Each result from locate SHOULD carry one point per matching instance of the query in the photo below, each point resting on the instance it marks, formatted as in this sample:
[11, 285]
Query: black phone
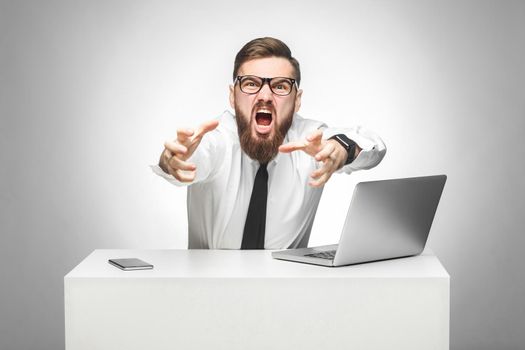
[130, 264]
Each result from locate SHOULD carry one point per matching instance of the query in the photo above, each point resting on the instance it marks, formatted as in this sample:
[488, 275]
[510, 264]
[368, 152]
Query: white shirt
[219, 196]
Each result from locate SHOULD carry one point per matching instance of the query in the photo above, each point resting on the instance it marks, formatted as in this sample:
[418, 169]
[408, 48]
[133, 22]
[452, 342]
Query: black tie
[253, 236]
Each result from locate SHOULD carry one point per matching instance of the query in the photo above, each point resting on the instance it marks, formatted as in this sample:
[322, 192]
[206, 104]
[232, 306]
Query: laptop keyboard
[327, 254]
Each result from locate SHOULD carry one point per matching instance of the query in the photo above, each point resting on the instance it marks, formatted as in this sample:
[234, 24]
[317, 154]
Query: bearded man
[255, 178]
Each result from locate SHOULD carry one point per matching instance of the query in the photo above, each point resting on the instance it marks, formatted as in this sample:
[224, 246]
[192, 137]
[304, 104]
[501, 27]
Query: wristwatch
[347, 144]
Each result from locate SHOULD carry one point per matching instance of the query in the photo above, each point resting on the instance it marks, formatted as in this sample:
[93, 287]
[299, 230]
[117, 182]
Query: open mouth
[263, 121]
[263, 118]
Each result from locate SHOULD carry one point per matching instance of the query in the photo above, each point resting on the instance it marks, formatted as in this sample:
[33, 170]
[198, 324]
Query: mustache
[266, 105]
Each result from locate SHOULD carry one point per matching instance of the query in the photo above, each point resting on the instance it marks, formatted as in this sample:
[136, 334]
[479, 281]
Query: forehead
[267, 67]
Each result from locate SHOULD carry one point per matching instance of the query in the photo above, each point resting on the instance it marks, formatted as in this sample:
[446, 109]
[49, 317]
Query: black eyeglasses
[251, 84]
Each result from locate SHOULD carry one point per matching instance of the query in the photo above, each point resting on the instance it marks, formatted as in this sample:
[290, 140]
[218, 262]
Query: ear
[298, 100]
[232, 96]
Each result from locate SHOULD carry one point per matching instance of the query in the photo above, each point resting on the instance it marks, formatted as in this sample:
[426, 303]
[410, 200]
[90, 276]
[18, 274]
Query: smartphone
[130, 264]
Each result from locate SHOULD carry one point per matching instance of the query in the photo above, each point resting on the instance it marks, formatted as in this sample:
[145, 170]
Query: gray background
[90, 90]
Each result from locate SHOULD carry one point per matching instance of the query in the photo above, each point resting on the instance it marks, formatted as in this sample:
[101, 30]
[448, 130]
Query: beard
[262, 148]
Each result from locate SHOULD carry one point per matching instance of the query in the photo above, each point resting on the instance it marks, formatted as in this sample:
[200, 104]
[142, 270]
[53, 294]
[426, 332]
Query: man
[255, 178]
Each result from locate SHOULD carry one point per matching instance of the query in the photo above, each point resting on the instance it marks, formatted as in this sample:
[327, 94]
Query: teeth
[264, 111]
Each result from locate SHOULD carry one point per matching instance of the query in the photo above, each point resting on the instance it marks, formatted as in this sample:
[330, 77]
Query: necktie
[253, 236]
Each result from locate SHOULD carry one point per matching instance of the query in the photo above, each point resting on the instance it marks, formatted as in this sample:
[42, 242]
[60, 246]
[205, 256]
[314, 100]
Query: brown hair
[262, 48]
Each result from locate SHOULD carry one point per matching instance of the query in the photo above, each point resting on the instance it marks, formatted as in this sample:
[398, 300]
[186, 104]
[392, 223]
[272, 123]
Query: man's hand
[329, 152]
[173, 158]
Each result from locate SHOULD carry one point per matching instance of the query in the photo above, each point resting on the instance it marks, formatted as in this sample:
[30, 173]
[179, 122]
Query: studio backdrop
[90, 90]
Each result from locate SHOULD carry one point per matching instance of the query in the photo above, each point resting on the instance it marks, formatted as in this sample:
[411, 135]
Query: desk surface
[174, 263]
[233, 299]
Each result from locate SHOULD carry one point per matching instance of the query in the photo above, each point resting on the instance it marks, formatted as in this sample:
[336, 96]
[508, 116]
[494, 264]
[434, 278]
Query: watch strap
[347, 144]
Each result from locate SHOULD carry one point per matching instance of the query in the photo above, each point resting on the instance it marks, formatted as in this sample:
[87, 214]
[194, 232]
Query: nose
[265, 94]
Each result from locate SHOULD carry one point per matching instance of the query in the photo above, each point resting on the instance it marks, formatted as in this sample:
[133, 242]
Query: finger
[179, 164]
[206, 127]
[321, 181]
[325, 152]
[184, 136]
[317, 173]
[293, 146]
[315, 137]
[184, 176]
[328, 166]
[175, 147]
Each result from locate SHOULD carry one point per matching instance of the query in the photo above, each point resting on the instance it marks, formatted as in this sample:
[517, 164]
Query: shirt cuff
[168, 177]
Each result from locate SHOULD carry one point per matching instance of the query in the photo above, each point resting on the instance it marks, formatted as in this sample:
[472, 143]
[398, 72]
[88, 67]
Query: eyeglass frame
[264, 81]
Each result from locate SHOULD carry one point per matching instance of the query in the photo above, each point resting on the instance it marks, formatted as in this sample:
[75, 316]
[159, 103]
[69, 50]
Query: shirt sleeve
[373, 149]
[205, 158]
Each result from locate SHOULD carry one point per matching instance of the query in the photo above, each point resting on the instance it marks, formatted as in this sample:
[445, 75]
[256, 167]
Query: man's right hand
[173, 158]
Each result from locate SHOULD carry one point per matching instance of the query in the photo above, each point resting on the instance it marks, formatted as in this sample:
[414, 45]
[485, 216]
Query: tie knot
[262, 172]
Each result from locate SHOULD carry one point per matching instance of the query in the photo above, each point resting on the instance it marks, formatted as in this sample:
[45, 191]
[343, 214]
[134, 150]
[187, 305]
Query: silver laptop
[387, 219]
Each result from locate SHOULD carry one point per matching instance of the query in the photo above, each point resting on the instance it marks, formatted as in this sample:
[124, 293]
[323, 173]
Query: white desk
[218, 299]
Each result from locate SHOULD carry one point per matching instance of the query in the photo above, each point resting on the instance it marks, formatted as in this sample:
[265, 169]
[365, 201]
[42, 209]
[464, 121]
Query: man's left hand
[329, 152]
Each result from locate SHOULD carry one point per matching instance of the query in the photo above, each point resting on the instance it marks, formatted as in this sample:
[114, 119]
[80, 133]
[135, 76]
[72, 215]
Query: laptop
[386, 219]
